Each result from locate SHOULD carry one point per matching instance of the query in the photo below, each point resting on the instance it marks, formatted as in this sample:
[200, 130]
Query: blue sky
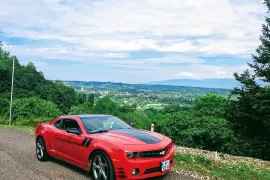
[132, 41]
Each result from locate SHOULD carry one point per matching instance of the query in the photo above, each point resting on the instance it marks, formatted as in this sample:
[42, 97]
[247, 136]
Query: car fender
[115, 152]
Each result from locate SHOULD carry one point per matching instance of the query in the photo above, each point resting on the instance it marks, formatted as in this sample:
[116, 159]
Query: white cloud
[116, 55]
[103, 58]
[219, 73]
[186, 75]
[109, 32]
[122, 25]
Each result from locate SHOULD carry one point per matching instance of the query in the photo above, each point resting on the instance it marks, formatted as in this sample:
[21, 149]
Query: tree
[64, 97]
[249, 113]
[81, 98]
[140, 118]
[91, 100]
[4, 106]
[211, 105]
[34, 107]
[28, 82]
[106, 106]
[209, 133]
[85, 108]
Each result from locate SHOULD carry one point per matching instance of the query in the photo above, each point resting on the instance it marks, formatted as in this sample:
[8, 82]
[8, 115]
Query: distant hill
[144, 95]
[138, 88]
[206, 83]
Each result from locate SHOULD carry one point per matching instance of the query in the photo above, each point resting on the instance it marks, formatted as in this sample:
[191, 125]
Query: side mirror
[132, 124]
[73, 130]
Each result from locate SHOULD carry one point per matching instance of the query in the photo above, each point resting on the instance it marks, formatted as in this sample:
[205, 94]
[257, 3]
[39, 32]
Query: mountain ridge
[222, 83]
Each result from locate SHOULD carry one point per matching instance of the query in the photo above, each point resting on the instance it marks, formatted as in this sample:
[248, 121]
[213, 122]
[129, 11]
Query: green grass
[19, 128]
[218, 170]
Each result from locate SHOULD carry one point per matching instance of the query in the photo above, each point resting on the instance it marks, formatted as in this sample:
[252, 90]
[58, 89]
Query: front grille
[152, 170]
[153, 154]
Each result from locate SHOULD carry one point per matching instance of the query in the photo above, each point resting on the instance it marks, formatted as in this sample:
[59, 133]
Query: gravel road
[18, 161]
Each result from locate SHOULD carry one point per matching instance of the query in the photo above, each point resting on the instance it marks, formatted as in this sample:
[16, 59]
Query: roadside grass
[204, 167]
[27, 129]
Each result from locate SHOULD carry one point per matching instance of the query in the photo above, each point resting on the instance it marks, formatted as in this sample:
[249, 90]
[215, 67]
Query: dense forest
[239, 125]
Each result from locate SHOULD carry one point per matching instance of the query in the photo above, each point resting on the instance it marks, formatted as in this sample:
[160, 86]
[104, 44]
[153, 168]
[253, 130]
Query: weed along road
[18, 161]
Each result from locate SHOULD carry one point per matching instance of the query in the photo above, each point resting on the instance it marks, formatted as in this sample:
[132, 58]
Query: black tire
[106, 165]
[41, 150]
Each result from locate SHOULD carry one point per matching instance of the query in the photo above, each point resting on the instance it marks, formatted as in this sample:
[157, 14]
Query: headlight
[132, 155]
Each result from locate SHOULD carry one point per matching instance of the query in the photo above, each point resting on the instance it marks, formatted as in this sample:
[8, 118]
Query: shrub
[106, 106]
[33, 108]
[31, 121]
[85, 108]
[140, 118]
[211, 105]
[3, 120]
[4, 106]
[208, 133]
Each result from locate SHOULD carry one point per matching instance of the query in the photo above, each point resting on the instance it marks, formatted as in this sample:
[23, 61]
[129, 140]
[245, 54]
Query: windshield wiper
[121, 128]
[98, 131]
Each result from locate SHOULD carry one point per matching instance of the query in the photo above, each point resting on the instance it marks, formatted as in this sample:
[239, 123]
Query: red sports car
[105, 146]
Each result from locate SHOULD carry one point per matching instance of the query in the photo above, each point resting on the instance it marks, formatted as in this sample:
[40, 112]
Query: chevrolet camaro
[106, 146]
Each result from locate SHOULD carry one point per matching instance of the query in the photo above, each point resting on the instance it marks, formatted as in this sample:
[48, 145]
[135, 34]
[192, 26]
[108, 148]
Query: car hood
[132, 136]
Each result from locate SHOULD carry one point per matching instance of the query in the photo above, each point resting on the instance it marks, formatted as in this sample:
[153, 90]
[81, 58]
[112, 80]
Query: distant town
[144, 96]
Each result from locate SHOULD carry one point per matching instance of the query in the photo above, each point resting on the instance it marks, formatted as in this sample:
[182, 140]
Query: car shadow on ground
[71, 167]
[85, 173]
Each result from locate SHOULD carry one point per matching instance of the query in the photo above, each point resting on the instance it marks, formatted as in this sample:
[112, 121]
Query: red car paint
[76, 149]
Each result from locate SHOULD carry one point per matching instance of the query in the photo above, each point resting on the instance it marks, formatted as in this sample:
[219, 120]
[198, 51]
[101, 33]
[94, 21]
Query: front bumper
[148, 167]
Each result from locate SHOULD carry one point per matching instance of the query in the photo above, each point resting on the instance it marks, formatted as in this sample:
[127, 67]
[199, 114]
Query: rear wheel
[101, 167]
[41, 150]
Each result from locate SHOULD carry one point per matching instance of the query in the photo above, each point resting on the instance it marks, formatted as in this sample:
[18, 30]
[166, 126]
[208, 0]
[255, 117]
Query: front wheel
[101, 167]
[41, 150]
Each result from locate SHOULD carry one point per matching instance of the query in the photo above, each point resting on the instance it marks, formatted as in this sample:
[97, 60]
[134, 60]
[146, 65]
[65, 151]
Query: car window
[57, 124]
[69, 123]
[103, 123]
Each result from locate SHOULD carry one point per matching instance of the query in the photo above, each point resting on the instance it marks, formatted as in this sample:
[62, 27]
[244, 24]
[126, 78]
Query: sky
[133, 41]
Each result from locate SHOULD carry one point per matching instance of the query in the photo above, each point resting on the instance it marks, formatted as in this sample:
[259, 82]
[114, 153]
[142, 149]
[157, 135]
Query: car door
[60, 141]
[70, 145]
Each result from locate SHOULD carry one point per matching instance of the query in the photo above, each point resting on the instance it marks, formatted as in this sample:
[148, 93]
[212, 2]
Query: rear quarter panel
[47, 133]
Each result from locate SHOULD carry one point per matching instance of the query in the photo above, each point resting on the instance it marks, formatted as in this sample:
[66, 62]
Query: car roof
[91, 115]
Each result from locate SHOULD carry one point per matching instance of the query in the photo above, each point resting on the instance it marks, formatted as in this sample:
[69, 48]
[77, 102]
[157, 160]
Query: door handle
[56, 134]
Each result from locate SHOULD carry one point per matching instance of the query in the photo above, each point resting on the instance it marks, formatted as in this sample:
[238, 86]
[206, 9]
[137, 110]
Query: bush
[106, 106]
[211, 105]
[4, 106]
[33, 108]
[140, 118]
[31, 121]
[208, 133]
[3, 120]
[85, 108]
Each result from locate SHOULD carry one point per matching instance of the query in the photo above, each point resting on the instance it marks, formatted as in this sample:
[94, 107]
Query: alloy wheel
[40, 149]
[100, 168]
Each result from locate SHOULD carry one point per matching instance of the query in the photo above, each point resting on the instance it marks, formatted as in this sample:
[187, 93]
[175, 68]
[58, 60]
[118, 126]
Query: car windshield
[99, 124]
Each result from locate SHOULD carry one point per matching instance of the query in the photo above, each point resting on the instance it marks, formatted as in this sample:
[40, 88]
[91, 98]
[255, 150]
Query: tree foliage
[249, 113]
[34, 107]
[211, 105]
[210, 133]
[106, 106]
[85, 108]
[28, 82]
